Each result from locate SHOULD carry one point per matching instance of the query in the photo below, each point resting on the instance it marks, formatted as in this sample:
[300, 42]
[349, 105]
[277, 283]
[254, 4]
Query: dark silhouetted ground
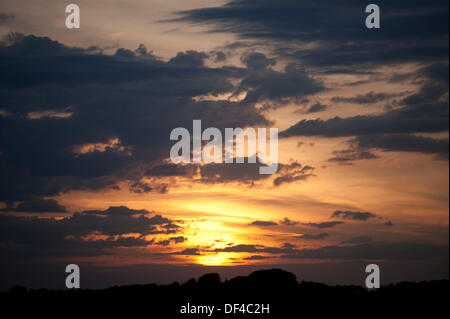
[287, 298]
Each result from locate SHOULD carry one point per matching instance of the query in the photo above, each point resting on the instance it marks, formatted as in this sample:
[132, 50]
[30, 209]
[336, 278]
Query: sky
[86, 116]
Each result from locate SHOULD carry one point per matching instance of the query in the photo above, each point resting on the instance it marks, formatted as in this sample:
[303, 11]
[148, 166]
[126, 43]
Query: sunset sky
[86, 115]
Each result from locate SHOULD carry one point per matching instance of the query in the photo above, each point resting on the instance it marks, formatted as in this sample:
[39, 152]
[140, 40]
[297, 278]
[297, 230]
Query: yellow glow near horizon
[219, 259]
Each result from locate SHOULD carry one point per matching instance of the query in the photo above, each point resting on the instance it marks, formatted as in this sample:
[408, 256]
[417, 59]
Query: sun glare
[219, 259]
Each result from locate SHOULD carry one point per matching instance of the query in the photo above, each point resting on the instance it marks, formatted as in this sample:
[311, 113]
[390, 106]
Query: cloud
[368, 98]
[88, 233]
[140, 51]
[178, 240]
[345, 157]
[316, 108]
[163, 243]
[374, 251]
[38, 205]
[115, 146]
[340, 42]
[313, 236]
[357, 240]
[220, 57]
[143, 188]
[256, 249]
[261, 83]
[323, 224]
[168, 170]
[125, 53]
[247, 173]
[237, 172]
[260, 223]
[361, 216]
[349, 251]
[121, 211]
[158, 96]
[414, 119]
[118, 221]
[425, 111]
[5, 18]
[287, 222]
[257, 60]
[293, 172]
[256, 257]
[405, 143]
[288, 246]
[174, 240]
[188, 252]
[189, 58]
[140, 188]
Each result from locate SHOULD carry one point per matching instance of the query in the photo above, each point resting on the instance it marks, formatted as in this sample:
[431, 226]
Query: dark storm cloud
[434, 80]
[118, 222]
[38, 205]
[189, 58]
[120, 110]
[313, 236]
[167, 170]
[257, 60]
[351, 58]
[316, 108]
[140, 188]
[288, 246]
[368, 98]
[163, 243]
[438, 72]
[70, 65]
[256, 249]
[374, 251]
[413, 31]
[361, 216]
[256, 257]
[120, 210]
[237, 172]
[30, 237]
[211, 173]
[346, 157]
[178, 240]
[262, 83]
[405, 143]
[323, 224]
[356, 240]
[220, 57]
[287, 222]
[256, 18]
[246, 172]
[144, 188]
[140, 51]
[125, 53]
[132, 98]
[188, 252]
[292, 172]
[425, 111]
[414, 119]
[5, 18]
[357, 251]
[261, 223]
